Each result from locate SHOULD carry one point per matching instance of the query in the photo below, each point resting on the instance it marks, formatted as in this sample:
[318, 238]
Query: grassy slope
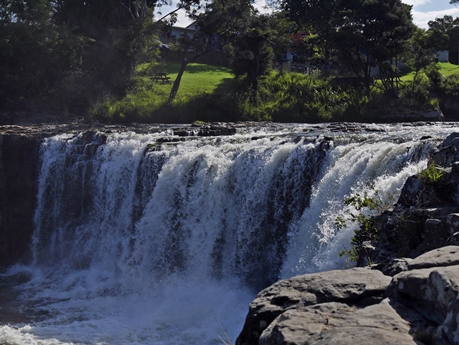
[197, 79]
[446, 69]
[207, 93]
[146, 98]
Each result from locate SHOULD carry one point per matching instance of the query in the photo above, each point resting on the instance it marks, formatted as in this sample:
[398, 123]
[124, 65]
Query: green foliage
[431, 174]
[450, 85]
[418, 54]
[252, 55]
[417, 91]
[294, 97]
[67, 55]
[445, 35]
[367, 207]
[35, 55]
[359, 34]
[206, 94]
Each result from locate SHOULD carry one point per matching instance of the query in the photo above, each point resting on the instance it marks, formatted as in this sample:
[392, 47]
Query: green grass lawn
[197, 79]
[446, 69]
[147, 97]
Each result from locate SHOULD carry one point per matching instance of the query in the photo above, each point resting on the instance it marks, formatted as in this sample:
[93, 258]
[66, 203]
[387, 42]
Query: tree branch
[127, 8]
[170, 13]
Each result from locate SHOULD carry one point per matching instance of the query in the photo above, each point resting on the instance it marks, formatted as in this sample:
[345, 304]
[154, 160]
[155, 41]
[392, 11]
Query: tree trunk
[177, 81]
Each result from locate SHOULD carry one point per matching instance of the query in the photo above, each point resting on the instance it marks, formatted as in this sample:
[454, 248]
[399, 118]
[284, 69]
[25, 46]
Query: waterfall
[158, 239]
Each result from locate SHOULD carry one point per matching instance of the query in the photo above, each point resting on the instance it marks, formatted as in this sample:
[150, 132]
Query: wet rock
[18, 176]
[339, 323]
[346, 307]
[441, 257]
[358, 286]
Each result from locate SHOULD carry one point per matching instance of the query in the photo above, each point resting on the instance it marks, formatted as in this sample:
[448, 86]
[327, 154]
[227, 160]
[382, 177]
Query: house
[174, 32]
[442, 56]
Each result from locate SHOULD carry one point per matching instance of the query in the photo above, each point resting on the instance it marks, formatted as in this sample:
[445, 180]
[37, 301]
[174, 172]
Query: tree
[71, 53]
[444, 33]
[311, 14]
[218, 24]
[418, 54]
[35, 54]
[362, 34]
[253, 53]
[280, 29]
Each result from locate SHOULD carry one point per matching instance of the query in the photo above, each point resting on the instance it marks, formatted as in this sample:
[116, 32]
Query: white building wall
[443, 56]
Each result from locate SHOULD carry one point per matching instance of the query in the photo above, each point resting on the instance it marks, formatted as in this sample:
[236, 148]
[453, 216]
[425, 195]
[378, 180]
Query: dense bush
[294, 97]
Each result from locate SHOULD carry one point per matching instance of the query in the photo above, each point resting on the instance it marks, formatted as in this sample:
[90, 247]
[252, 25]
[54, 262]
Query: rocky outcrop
[426, 215]
[410, 297]
[361, 306]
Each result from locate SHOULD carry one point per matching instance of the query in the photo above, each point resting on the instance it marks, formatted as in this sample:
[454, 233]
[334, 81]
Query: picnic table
[162, 77]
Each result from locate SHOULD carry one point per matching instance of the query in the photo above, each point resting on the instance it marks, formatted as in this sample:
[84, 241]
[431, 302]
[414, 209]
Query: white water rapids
[148, 239]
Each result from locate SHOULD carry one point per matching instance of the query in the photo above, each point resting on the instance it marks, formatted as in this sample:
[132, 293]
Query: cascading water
[148, 239]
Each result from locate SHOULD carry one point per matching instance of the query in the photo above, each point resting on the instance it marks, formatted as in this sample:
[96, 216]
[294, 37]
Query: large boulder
[358, 286]
[417, 306]
[340, 324]
[431, 283]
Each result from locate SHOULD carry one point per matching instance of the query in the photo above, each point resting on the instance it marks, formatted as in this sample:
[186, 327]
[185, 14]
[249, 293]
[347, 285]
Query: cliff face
[19, 155]
[18, 189]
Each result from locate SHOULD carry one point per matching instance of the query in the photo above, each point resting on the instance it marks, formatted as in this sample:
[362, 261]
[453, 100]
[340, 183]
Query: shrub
[367, 207]
[431, 174]
[293, 97]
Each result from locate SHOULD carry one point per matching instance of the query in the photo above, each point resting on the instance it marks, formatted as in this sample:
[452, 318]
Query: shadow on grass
[173, 67]
[221, 105]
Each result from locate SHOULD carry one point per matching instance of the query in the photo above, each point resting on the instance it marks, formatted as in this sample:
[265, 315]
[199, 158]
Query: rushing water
[148, 239]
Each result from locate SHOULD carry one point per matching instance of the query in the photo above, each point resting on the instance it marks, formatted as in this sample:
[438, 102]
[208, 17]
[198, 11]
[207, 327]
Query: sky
[423, 11]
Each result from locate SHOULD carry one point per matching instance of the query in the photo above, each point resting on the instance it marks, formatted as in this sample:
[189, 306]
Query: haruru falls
[160, 239]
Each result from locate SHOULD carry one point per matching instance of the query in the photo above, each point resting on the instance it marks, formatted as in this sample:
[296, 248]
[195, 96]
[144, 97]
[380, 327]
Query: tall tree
[362, 34]
[369, 34]
[218, 24]
[444, 33]
[418, 54]
[70, 51]
[253, 52]
[35, 54]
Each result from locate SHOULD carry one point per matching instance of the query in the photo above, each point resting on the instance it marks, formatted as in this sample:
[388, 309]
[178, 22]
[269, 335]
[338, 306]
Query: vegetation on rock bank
[424, 217]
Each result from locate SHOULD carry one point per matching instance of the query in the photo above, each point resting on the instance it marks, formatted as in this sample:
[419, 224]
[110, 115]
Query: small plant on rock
[367, 207]
[431, 174]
